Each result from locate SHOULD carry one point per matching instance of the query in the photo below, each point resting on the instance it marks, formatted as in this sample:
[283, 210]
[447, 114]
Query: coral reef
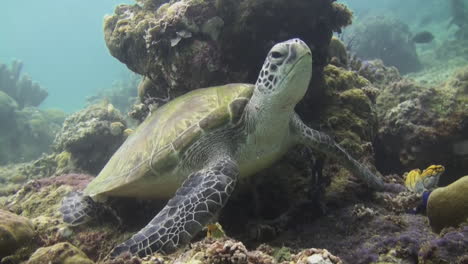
[15, 232]
[21, 88]
[379, 236]
[26, 131]
[184, 45]
[230, 251]
[448, 206]
[375, 71]
[387, 39]
[348, 114]
[337, 53]
[353, 234]
[122, 94]
[450, 247]
[39, 200]
[89, 137]
[422, 125]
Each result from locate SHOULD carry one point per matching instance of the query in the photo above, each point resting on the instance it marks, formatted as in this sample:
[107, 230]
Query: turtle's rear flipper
[195, 203]
[78, 209]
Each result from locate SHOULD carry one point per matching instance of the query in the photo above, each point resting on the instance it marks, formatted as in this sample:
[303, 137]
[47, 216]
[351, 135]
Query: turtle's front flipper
[322, 142]
[195, 203]
[78, 209]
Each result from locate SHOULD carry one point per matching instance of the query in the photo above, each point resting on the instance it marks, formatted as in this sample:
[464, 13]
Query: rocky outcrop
[15, 232]
[183, 45]
[89, 137]
[421, 125]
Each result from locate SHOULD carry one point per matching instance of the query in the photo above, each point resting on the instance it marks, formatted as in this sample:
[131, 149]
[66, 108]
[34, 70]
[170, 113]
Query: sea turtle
[203, 142]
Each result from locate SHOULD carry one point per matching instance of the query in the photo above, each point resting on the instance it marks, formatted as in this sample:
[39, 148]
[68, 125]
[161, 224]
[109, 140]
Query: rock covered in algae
[349, 116]
[421, 125]
[61, 253]
[188, 44]
[15, 232]
[448, 206]
[375, 71]
[91, 136]
[40, 200]
[337, 52]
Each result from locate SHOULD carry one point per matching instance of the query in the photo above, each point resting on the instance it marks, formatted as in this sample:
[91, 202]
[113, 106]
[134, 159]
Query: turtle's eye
[276, 55]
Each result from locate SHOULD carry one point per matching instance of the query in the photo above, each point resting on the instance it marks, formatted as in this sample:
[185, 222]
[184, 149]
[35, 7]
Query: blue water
[62, 46]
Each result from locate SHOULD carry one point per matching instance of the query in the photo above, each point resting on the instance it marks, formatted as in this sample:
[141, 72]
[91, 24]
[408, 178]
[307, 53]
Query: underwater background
[389, 85]
[62, 46]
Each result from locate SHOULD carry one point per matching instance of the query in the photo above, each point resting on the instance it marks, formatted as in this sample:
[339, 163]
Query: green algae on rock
[337, 52]
[89, 137]
[15, 232]
[421, 125]
[350, 116]
[40, 199]
[61, 253]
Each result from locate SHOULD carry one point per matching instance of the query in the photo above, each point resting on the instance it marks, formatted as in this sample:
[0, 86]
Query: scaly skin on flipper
[78, 209]
[323, 143]
[195, 203]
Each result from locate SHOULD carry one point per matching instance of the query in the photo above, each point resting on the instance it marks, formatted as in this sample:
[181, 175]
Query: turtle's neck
[267, 117]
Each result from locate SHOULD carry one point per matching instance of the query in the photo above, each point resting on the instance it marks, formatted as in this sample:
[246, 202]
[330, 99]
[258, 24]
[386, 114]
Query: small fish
[423, 37]
[417, 181]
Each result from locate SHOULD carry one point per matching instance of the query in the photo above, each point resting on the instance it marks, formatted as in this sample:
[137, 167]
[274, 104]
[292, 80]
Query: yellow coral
[417, 181]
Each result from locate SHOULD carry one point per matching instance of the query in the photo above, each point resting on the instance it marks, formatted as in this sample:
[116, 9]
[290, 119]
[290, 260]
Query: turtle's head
[286, 73]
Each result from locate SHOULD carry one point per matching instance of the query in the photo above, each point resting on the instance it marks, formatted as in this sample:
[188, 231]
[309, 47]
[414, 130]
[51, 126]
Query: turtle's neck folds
[268, 116]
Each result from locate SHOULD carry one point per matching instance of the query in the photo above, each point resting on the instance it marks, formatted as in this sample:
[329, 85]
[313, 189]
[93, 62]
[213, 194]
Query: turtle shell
[143, 164]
